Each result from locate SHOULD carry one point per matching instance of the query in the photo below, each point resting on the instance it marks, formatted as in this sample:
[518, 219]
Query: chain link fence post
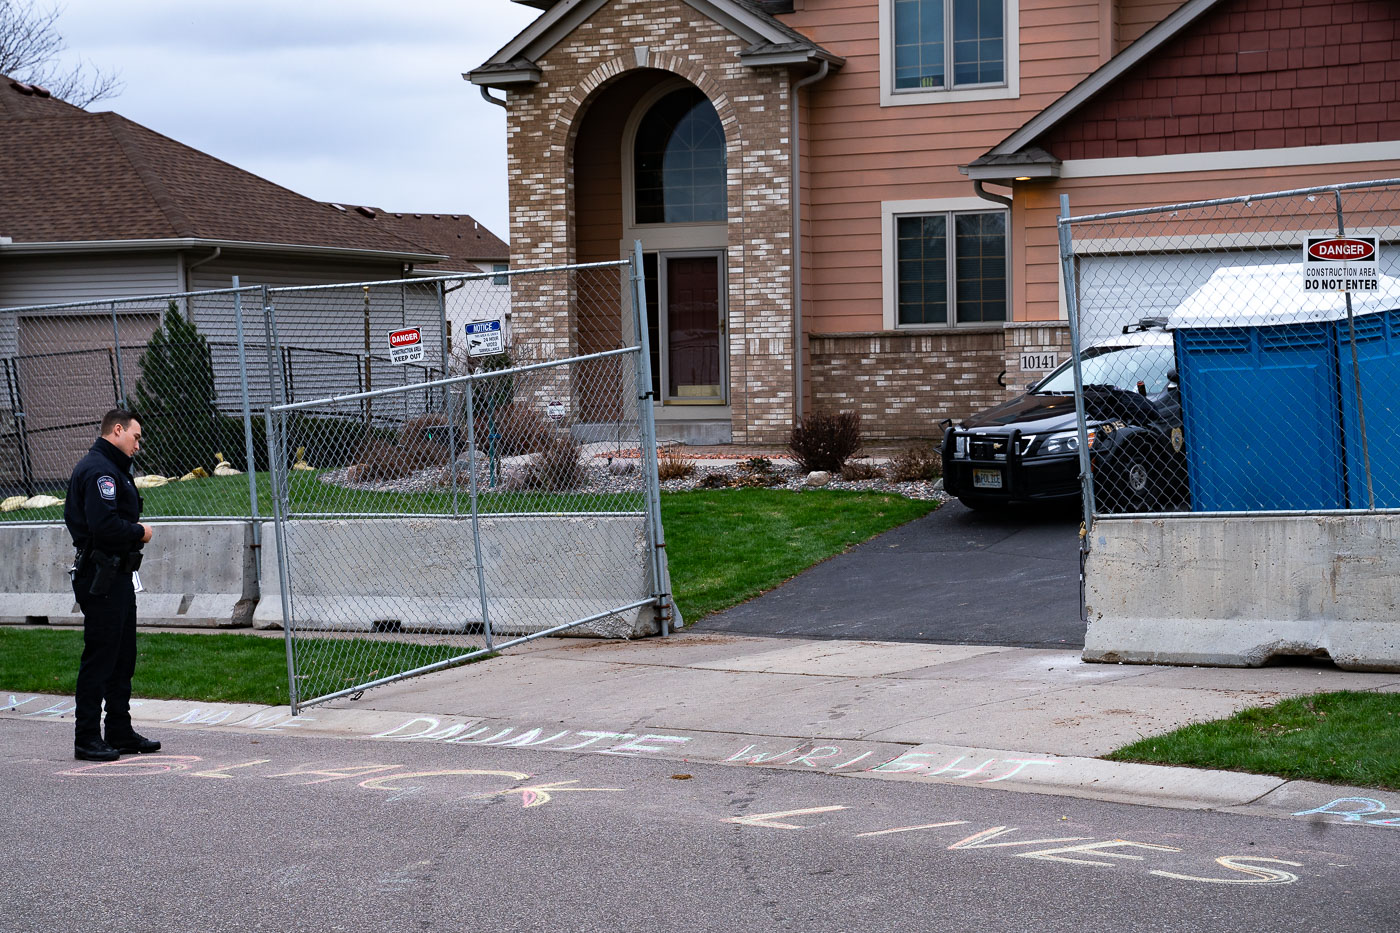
[656, 538]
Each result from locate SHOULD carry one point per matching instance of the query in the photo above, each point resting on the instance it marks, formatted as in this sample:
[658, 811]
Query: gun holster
[107, 568]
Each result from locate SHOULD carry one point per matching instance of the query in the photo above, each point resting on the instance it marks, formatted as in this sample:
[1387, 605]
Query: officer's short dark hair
[117, 416]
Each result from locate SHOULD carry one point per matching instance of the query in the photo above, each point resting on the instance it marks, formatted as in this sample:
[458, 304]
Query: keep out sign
[1341, 264]
[405, 346]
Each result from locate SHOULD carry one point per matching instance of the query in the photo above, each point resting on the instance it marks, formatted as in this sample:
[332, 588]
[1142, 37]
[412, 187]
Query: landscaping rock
[818, 478]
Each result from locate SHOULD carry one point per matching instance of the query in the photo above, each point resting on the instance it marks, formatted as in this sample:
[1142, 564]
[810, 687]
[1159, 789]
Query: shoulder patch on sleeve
[107, 487]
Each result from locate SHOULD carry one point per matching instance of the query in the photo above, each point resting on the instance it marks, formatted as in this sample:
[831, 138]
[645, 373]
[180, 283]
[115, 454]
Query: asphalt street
[233, 832]
[954, 577]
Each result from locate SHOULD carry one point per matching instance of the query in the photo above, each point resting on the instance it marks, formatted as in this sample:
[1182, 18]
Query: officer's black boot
[95, 750]
[132, 743]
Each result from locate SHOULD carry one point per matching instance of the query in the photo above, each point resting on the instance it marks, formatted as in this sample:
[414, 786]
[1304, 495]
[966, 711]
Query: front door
[685, 302]
[693, 359]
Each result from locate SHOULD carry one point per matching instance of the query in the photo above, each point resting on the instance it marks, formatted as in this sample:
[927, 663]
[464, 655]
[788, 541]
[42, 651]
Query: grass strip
[224, 668]
[1347, 737]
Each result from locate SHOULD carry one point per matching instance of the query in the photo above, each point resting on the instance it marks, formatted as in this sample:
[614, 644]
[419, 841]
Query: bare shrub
[916, 464]
[556, 467]
[857, 470]
[380, 460]
[522, 430]
[756, 465]
[757, 480]
[826, 441]
[714, 481]
[673, 466]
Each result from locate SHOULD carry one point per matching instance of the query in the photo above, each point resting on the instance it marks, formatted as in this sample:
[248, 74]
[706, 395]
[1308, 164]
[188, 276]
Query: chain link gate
[422, 523]
[1235, 356]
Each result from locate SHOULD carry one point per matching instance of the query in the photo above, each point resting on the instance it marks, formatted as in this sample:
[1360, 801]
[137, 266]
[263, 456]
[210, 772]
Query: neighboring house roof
[21, 100]
[1018, 148]
[465, 241]
[72, 179]
[773, 42]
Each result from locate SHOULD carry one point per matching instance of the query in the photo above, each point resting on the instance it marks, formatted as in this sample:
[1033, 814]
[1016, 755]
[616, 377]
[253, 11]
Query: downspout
[486, 95]
[822, 71]
[185, 273]
[185, 285]
[986, 195]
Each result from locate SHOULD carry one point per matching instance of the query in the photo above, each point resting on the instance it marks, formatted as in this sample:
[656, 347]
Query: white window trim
[890, 211]
[1011, 90]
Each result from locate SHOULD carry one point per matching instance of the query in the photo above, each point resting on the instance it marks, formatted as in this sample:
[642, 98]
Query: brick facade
[904, 384]
[623, 38]
[1254, 74]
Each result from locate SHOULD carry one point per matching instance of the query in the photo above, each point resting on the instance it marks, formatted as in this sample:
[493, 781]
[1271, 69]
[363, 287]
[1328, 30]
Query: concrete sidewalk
[1011, 718]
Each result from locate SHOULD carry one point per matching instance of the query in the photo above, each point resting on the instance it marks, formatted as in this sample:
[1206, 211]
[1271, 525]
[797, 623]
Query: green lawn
[1342, 738]
[228, 668]
[227, 496]
[729, 545]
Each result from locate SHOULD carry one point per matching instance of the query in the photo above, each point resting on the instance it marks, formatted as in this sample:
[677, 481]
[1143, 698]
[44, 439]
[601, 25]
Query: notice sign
[1341, 264]
[485, 338]
[405, 346]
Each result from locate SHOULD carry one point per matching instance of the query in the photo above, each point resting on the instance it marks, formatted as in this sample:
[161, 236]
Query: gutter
[301, 249]
[823, 69]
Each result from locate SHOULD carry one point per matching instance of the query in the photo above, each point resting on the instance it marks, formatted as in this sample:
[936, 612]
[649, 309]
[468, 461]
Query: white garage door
[1122, 289]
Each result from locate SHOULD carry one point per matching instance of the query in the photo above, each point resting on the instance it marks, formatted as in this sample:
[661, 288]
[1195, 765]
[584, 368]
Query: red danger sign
[405, 346]
[1341, 264]
[1342, 249]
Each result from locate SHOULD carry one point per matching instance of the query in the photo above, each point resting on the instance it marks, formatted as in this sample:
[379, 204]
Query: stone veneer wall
[671, 36]
[903, 384]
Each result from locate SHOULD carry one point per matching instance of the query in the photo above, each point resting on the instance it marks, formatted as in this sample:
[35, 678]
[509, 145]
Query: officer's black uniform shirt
[103, 505]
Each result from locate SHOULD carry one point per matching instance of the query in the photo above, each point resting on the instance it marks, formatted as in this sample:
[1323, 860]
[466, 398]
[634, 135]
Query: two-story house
[851, 204]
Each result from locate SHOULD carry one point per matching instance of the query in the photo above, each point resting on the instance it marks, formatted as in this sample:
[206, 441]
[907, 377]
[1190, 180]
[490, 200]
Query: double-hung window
[957, 49]
[949, 268]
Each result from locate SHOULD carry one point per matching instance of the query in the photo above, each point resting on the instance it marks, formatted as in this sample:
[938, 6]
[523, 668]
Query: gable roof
[1017, 149]
[772, 42]
[72, 177]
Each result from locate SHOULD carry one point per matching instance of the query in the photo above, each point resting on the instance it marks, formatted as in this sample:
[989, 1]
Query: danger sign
[405, 346]
[1341, 264]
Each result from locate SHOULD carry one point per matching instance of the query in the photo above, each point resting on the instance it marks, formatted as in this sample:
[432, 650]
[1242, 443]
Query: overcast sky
[357, 101]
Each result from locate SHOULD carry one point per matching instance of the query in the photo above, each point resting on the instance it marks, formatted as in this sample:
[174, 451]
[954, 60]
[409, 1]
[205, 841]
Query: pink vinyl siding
[859, 154]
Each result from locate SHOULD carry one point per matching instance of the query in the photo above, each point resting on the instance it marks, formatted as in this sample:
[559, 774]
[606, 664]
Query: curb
[1087, 778]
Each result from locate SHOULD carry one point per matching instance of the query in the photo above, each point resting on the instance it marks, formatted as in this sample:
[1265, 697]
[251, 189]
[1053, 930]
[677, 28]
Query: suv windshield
[1123, 367]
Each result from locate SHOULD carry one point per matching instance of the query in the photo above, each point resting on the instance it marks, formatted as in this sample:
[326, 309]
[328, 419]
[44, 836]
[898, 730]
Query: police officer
[101, 514]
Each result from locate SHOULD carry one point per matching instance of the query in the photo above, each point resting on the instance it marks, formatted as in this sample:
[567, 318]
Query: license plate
[986, 479]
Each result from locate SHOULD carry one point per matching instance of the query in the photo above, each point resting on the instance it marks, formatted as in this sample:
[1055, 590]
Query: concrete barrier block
[419, 575]
[1241, 591]
[194, 574]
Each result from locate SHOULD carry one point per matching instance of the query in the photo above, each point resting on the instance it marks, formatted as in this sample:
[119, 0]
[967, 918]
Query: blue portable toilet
[1267, 422]
[1378, 359]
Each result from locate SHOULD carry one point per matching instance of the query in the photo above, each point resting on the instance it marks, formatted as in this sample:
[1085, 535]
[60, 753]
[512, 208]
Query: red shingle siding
[1253, 74]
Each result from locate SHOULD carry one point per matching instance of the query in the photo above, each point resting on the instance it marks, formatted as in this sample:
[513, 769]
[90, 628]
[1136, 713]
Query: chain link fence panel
[174, 359]
[439, 516]
[1221, 366]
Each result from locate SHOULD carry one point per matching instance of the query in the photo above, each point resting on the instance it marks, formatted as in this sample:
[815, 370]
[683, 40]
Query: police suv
[1027, 449]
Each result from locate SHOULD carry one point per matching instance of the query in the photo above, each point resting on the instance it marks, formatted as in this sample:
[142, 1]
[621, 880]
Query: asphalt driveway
[952, 577]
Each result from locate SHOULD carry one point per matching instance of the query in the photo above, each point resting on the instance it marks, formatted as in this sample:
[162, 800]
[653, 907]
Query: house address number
[1039, 361]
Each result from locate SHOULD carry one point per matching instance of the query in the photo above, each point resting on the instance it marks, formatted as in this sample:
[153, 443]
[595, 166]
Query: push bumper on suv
[995, 467]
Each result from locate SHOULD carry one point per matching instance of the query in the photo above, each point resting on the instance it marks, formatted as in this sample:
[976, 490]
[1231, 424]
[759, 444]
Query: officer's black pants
[109, 657]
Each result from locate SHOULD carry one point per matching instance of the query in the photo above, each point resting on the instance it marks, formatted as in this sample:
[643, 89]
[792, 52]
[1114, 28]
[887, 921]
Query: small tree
[175, 399]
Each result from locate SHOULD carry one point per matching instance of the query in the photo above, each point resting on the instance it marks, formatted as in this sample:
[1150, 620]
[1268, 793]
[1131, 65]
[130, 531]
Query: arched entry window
[679, 162]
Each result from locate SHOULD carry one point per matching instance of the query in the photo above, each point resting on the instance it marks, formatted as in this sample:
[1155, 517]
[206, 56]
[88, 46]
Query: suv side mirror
[1172, 377]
